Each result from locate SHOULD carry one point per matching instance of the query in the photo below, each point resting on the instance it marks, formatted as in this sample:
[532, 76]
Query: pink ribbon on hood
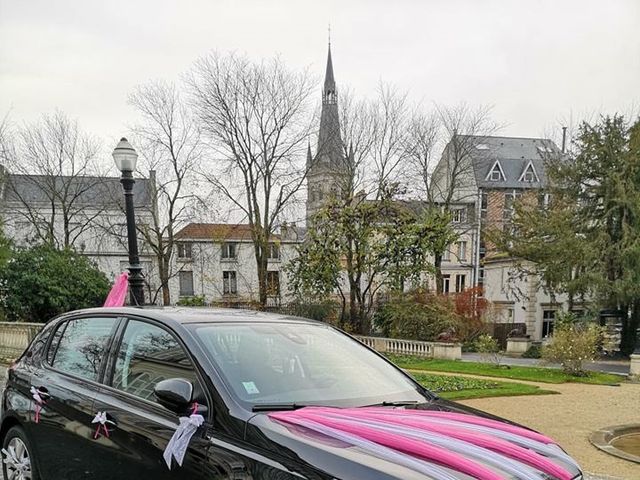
[462, 442]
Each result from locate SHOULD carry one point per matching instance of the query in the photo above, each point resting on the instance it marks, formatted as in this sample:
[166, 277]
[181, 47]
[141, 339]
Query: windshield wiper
[268, 407]
[400, 403]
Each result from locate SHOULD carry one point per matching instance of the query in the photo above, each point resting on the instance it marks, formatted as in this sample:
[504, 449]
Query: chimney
[564, 138]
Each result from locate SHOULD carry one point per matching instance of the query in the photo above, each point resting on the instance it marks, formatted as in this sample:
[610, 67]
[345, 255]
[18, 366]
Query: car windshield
[302, 364]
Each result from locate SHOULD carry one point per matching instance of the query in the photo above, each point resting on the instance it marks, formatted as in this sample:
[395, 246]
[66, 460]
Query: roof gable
[529, 174]
[496, 173]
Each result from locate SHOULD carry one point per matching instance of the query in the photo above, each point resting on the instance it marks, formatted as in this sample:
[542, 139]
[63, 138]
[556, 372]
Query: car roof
[185, 315]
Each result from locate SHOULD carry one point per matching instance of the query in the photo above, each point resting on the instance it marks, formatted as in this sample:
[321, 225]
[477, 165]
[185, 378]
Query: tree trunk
[353, 307]
[437, 264]
[261, 263]
[630, 326]
[163, 273]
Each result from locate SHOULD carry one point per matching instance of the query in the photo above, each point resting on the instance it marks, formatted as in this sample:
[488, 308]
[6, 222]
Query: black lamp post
[125, 157]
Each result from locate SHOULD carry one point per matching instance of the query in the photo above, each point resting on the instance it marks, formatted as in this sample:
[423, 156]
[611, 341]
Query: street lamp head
[125, 156]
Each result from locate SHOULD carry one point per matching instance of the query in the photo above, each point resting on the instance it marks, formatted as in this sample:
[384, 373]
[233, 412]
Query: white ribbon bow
[35, 393]
[102, 421]
[177, 446]
[101, 418]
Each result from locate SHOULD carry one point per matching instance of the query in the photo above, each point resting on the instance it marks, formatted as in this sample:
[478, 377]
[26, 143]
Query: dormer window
[496, 174]
[529, 174]
[482, 146]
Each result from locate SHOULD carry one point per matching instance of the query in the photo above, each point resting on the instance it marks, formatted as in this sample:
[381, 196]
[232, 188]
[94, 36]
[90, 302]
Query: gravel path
[572, 416]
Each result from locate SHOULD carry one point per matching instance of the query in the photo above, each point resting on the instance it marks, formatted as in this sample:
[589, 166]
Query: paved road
[608, 366]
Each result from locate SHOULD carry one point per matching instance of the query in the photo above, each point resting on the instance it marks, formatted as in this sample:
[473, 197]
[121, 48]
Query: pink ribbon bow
[37, 396]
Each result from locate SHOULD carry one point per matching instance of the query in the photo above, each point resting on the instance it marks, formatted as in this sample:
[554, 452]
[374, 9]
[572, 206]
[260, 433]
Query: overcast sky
[538, 62]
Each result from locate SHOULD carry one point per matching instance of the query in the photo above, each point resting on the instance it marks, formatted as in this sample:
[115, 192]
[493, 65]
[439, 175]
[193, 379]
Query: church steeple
[329, 167]
[330, 150]
[329, 91]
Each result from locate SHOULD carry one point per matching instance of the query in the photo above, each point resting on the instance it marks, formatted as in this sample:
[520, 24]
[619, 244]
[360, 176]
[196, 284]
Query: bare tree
[373, 134]
[170, 147]
[389, 114]
[257, 118]
[55, 186]
[449, 179]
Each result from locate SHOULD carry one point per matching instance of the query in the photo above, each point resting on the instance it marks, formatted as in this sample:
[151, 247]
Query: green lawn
[534, 374]
[461, 388]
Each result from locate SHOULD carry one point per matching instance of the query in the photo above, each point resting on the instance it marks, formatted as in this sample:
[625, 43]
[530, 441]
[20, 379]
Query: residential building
[217, 261]
[35, 208]
[495, 172]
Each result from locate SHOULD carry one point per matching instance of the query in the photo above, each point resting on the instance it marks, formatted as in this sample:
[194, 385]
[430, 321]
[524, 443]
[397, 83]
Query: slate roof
[514, 155]
[91, 191]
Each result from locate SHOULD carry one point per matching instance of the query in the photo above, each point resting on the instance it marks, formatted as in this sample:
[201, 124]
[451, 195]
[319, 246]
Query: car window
[81, 346]
[149, 354]
[300, 363]
[53, 346]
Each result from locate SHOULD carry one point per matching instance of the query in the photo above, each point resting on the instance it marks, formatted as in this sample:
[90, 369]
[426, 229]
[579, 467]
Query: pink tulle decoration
[118, 292]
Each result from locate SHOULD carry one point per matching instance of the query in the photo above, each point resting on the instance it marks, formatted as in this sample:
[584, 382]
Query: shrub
[489, 350]
[418, 315]
[194, 301]
[41, 282]
[472, 308]
[534, 351]
[573, 343]
[326, 311]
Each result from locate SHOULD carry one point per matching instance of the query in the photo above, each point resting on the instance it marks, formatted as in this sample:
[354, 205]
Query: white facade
[97, 221]
[217, 262]
[519, 298]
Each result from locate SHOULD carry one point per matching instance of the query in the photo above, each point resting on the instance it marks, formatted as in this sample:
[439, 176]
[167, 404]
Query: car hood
[350, 450]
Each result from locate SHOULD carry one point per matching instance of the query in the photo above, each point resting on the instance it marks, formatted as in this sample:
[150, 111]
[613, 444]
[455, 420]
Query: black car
[143, 369]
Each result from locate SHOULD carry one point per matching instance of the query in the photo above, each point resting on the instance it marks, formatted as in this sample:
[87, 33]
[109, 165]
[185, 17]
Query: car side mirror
[175, 394]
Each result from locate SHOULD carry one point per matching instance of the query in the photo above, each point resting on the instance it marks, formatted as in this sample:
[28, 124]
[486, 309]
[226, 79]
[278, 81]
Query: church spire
[329, 141]
[329, 80]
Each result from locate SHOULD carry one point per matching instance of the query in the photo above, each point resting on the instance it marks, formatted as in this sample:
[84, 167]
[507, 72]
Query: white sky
[537, 61]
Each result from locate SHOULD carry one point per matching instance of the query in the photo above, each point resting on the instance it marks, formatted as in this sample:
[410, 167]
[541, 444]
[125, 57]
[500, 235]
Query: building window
[544, 199]
[484, 203]
[462, 251]
[186, 284]
[446, 255]
[460, 283]
[273, 283]
[273, 252]
[184, 250]
[509, 204]
[529, 175]
[548, 319]
[446, 283]
[229, 250]
[459, 215]
[229, 283]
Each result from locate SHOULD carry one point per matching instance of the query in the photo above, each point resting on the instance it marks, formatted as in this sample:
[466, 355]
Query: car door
[70, 374]
[147, 353]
